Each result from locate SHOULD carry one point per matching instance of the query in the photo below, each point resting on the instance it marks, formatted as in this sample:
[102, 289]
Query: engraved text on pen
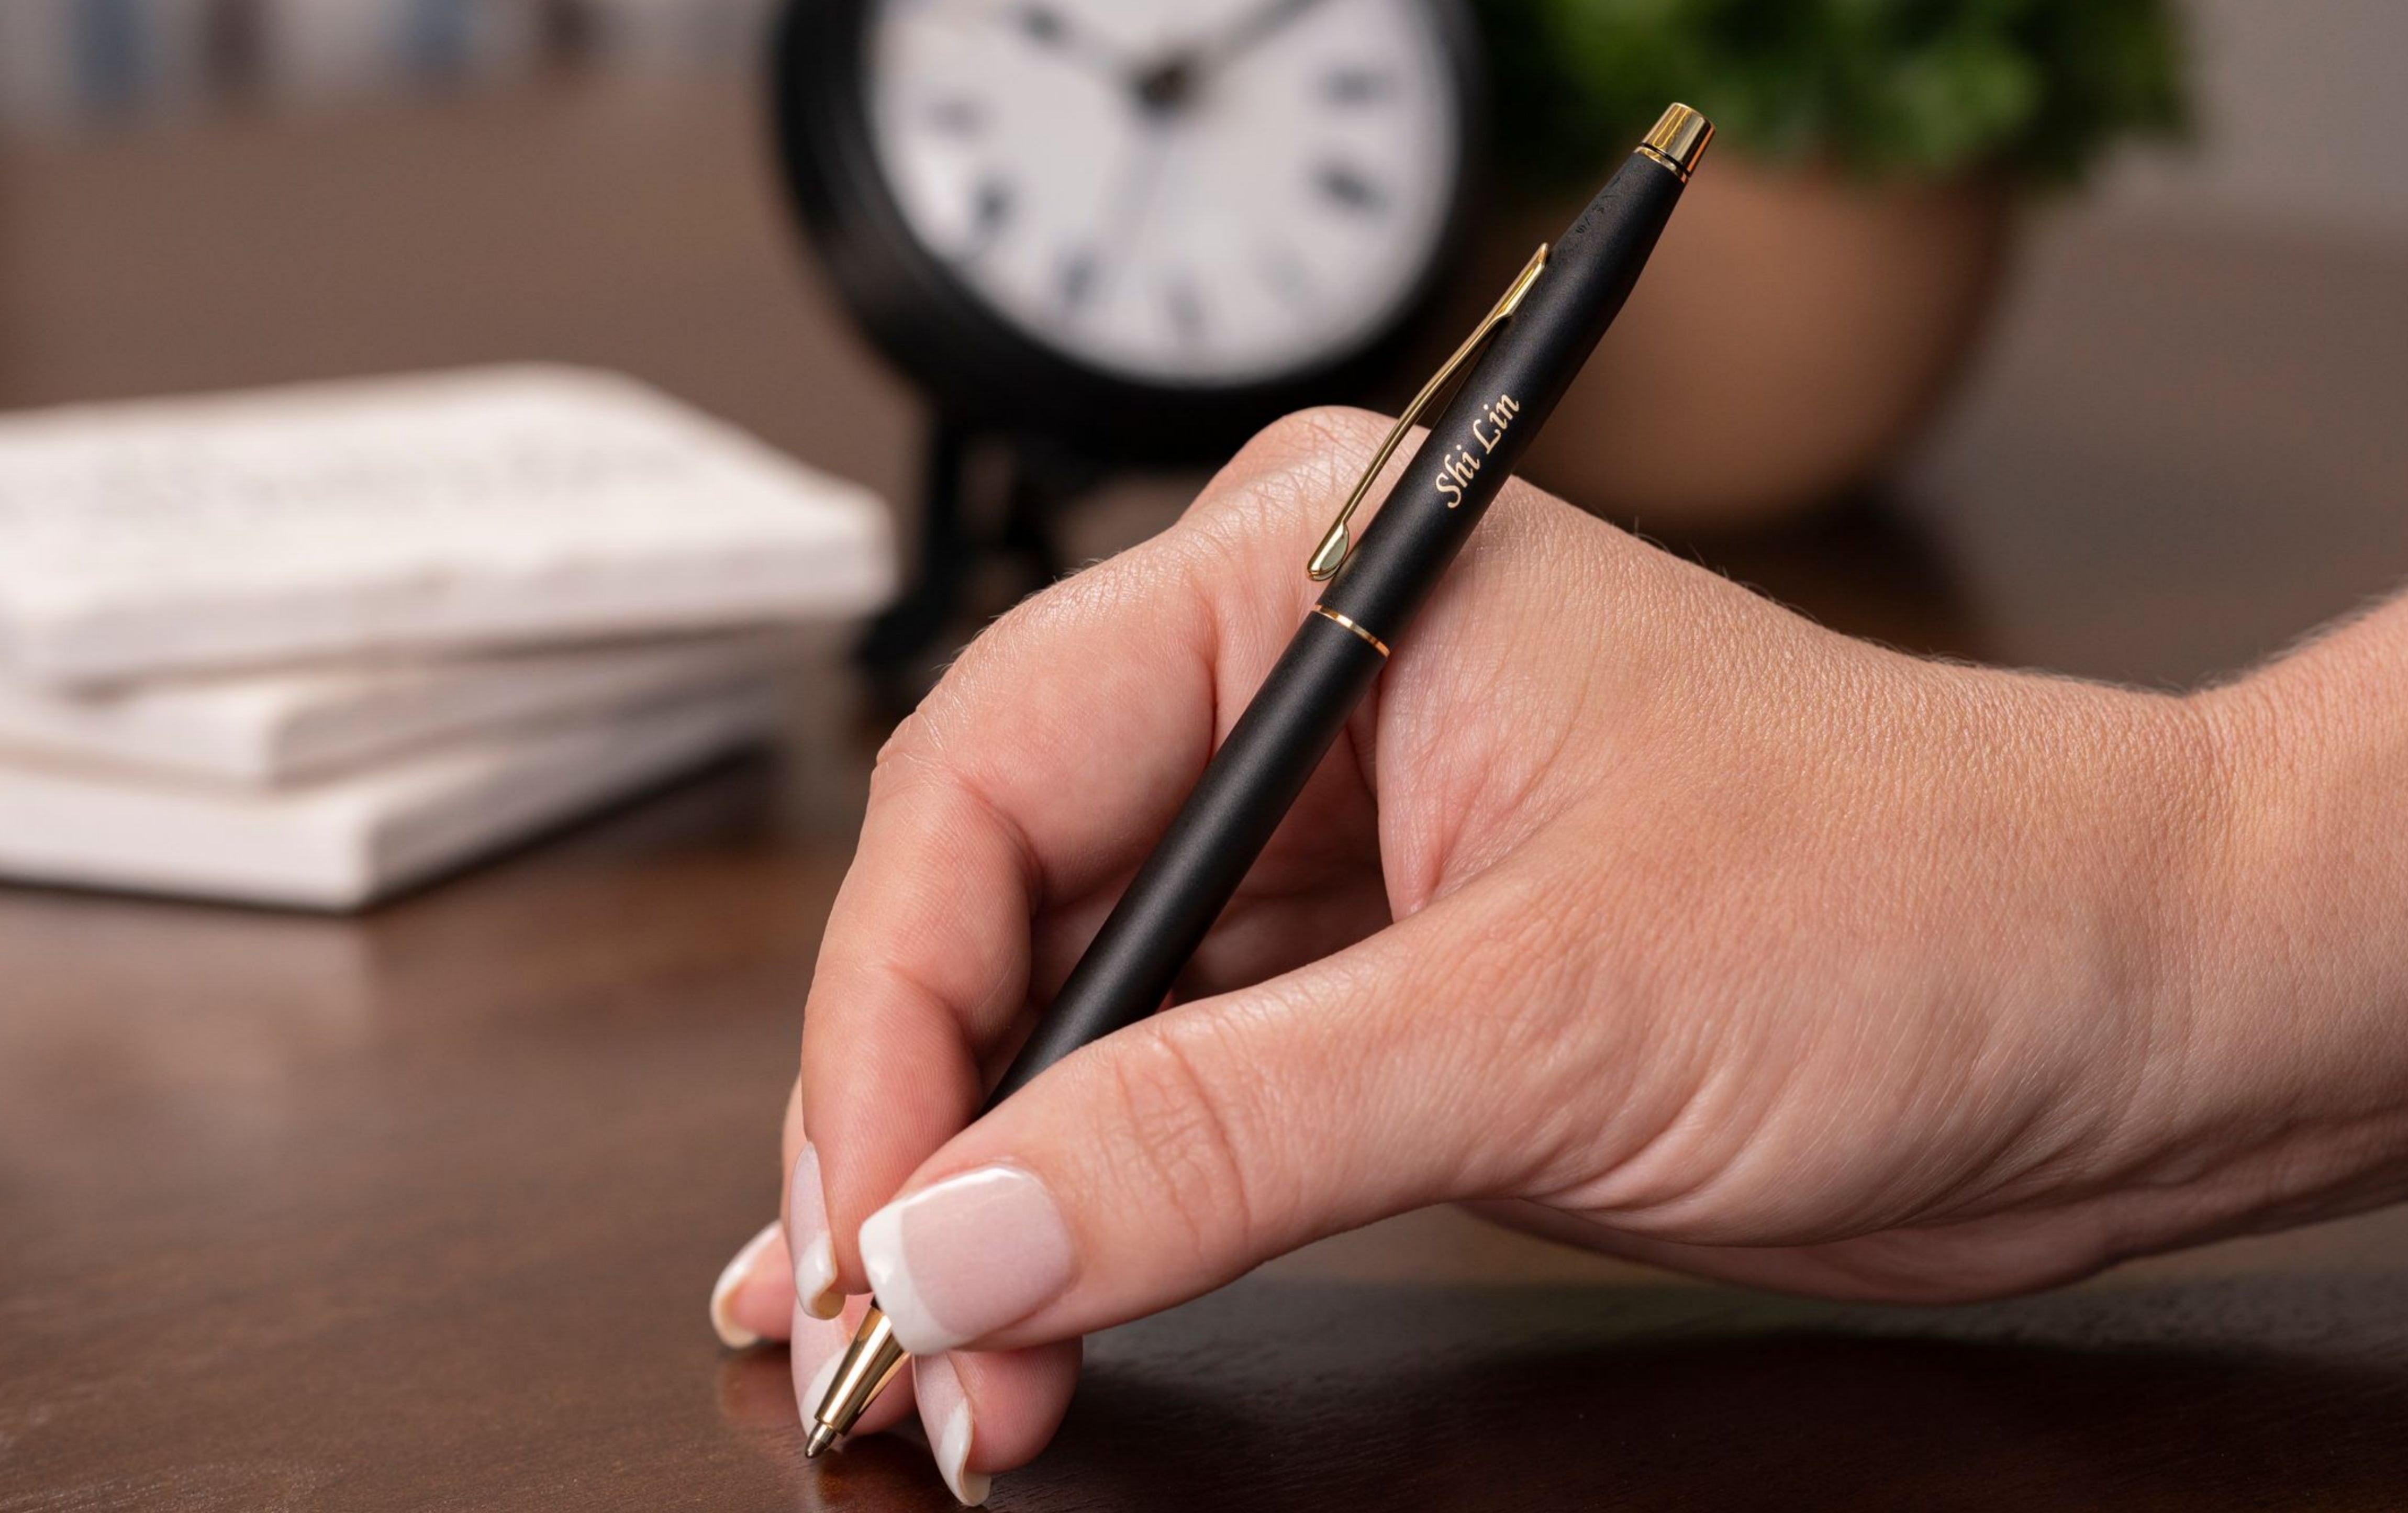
[1455, 469]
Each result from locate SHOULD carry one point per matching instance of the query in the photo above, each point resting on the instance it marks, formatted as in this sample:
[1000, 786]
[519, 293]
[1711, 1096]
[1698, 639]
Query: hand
[1631, 908]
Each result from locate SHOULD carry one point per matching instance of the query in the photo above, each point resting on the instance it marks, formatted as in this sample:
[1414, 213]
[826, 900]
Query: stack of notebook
[308, 646]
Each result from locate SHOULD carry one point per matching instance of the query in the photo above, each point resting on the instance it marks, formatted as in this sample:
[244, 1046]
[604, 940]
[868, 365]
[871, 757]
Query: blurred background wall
[66, 60]
[2300, 105]
[2301, 114]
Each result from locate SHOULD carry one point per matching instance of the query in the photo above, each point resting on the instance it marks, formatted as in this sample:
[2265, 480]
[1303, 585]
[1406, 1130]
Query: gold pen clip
[1330, 555]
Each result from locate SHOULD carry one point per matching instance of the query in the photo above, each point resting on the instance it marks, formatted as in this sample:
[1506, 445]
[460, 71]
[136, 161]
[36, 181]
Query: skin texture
[1632, 909]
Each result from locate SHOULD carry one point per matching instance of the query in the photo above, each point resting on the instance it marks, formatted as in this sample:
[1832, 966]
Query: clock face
[1185, 191]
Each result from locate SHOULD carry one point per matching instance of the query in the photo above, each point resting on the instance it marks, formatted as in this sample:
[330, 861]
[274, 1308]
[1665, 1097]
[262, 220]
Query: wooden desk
[419, 1210]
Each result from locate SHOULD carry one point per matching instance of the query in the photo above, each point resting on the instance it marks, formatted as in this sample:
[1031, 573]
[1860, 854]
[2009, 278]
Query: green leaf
[2034, 89]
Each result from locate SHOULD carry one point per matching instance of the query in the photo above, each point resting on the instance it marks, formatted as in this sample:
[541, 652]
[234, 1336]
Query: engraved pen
[1507, 377]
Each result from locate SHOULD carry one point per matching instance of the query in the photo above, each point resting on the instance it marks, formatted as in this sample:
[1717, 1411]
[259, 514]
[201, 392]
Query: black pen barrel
[1477, 440]
[1246, 789]
[1311, 692]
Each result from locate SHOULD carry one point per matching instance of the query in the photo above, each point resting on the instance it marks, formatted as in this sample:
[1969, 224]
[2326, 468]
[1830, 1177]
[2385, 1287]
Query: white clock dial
[1211, 192]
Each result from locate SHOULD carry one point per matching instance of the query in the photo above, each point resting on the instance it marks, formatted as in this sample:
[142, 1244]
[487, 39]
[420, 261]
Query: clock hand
[1170, 83]
[1125, 217]
[1049, 28]
[1257, 26]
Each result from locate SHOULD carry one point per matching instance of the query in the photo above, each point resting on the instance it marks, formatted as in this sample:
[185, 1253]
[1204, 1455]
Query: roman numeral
[1075, 284]
[1345, 186]
[1044, 27]
[991, 204]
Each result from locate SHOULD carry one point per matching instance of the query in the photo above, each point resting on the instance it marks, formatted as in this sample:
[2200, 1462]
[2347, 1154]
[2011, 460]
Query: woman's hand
[1631, 908]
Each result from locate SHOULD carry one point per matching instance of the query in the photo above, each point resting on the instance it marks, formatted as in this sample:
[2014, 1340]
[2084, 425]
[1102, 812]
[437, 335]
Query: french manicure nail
[731, 1281]
[807, 1235]
[964, 1257]
[945, 1410]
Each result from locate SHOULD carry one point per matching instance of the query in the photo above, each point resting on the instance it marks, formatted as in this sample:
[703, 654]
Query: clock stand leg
[912, 624]
[1043, 485]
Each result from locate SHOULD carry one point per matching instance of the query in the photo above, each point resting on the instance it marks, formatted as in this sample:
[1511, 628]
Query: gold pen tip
[822, 1438]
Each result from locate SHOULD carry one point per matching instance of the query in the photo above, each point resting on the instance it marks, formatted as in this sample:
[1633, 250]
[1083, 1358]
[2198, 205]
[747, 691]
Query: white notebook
[487, 507]
[348, 841]
[264, 729]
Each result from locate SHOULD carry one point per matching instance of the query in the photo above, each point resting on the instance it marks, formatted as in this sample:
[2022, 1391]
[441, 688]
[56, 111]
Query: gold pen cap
[1679, 139]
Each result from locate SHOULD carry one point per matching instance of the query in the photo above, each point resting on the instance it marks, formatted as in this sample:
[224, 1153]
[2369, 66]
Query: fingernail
[807, 1235]
[731, 1283]
[818, 1345]
[962, 1259]
[945, 1409]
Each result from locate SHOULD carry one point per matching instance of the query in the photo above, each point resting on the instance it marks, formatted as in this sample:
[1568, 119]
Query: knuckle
[984, 678]
[1290, 466]
[1181, 1141]
[909, 755]
[1312, 437]
[898, 755]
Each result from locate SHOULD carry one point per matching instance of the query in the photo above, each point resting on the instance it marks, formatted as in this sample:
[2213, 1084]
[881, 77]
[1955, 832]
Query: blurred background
[2068, 335]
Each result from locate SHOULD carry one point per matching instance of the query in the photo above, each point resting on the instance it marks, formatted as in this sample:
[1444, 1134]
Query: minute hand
[1256, 26]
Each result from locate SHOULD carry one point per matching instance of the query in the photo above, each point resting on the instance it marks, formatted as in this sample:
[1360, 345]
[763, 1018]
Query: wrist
[2299, 958]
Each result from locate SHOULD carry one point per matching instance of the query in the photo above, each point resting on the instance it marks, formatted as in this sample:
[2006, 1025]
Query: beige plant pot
[1791, 335]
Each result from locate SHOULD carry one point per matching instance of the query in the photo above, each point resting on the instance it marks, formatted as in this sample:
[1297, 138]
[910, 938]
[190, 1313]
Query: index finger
[1037, 774]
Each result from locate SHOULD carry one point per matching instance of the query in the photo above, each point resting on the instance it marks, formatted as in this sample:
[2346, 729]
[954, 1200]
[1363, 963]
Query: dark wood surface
[419, 1210]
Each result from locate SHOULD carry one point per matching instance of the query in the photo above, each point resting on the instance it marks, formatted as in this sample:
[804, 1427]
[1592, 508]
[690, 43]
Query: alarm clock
[1134, 229]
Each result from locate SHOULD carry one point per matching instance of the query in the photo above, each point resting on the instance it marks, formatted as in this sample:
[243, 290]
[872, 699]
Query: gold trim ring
[1661, 161]
[1375, 643]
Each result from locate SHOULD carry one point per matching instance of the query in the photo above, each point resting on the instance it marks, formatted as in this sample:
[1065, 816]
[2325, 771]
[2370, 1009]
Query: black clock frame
[986, 374]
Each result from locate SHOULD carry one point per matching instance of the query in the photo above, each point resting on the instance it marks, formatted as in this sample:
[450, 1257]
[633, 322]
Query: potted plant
[1830, 268]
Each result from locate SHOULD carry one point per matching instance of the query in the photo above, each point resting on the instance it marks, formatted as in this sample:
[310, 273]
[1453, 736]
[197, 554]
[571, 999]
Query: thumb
[1181, 1152]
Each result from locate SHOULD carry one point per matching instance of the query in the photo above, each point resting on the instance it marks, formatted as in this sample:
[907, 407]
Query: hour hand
[1047, 26]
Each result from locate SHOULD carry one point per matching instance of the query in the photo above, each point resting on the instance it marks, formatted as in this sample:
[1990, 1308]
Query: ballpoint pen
[1552, 317]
